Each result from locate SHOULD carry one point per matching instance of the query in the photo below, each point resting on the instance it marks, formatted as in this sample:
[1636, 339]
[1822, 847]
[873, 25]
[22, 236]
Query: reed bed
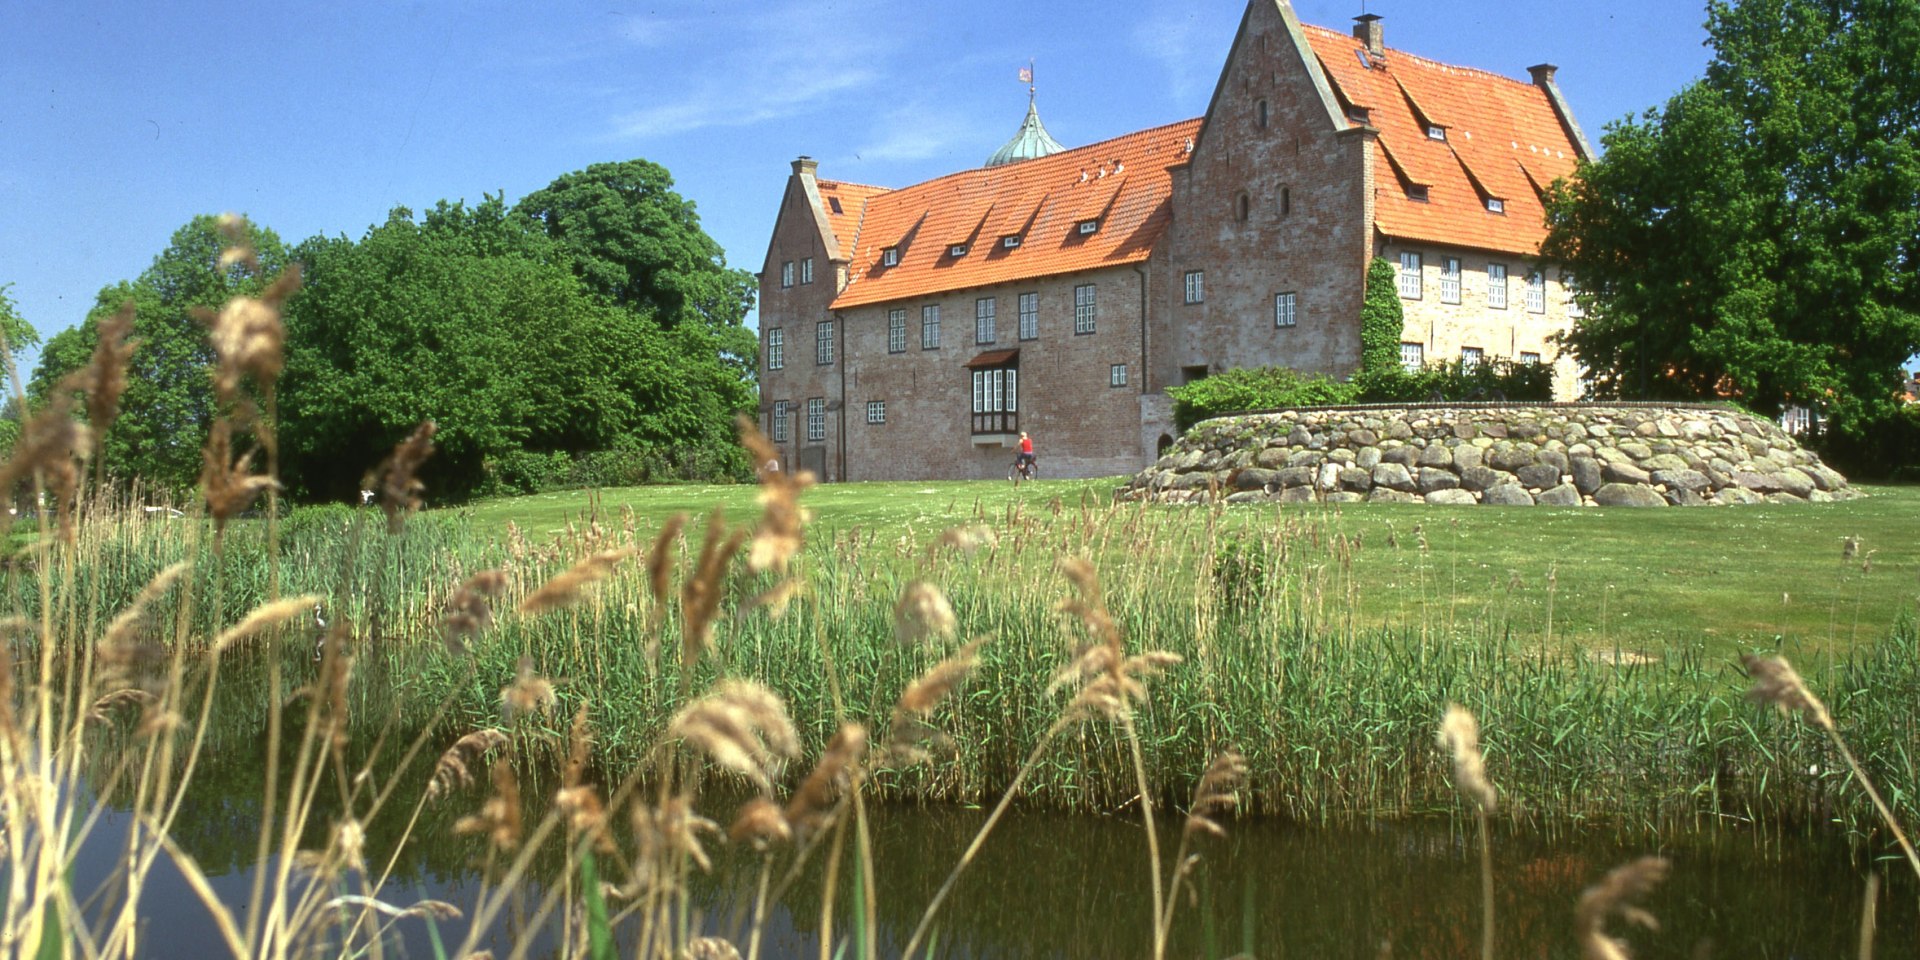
[384, 679]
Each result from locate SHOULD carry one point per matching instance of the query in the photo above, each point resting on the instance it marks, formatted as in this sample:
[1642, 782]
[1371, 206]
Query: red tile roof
[1124, 183]
[1503, 139]
[845, 221]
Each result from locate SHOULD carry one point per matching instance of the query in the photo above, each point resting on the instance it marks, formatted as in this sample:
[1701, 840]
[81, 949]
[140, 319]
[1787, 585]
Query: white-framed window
[1089, 226]
[786, 273]
[1010, 241]
[897, 330]
[1497, 286]
[1573, 295]
[776, 348]
[1450, 280]
[876, 411]
[816, 419]
[996, 390]
[930, 327]
[823, 343]
[1496, 205]
[983, 320]
[1536, 292]
[1436, 133]
[1029, 316]
[1085, 310]
[1117, 375]
[1410, 275]
[1471, 357]
[1529, 357]
[1283, 309]
[1196, 286]
[806, 270]
[781, 411]
[957, 251]
[890, 257]
[1413, 356]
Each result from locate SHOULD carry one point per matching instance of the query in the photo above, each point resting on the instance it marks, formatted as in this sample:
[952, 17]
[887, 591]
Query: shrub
[1881, 446]
[1497, 379]
[1381, 319]
[1254, 388]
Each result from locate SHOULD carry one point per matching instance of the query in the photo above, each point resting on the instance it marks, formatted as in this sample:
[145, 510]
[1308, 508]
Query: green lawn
[1653, 582]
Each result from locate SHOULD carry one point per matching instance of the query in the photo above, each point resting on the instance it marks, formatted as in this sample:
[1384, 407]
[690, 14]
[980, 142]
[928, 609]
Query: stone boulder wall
[1565, 454]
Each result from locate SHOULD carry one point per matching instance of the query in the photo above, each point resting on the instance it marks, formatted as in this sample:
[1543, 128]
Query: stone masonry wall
[1571, 454]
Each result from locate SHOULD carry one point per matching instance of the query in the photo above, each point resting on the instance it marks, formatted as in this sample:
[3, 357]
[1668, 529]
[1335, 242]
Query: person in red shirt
[1025, 459]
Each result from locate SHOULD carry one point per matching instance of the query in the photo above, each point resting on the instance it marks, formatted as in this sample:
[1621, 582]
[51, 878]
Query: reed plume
[1776, 682]
[660, 560]
[128, 620]
[1216, 792]
[263, 618]
[909, 734]
[821, 790]
[103, 709]
[965, 539]
[783, 520]
[922, 612]
[106, 373]
[670, 831]
[564, 590]
[760, 823]
[528, 693]
[1614, 896]
[396, 478]
[451, 771]
[743, 727]
[499, 816]
[48, 445]
[1459, 735]
[700, 593]
[227, 481]
[470, 610]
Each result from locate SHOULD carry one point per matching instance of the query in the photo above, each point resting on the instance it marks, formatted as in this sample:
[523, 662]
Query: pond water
[1052, 885]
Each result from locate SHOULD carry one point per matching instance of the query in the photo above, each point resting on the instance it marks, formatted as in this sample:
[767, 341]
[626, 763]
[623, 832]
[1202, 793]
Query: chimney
[1367, 27]
[805, 166]
[1542, 74]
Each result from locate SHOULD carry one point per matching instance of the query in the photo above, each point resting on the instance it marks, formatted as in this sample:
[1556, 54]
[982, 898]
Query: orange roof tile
[851, 204]
[1503, 139]
[1123, 182]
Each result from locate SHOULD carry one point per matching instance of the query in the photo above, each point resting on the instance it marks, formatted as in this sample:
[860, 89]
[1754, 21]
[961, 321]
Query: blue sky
[119, 121]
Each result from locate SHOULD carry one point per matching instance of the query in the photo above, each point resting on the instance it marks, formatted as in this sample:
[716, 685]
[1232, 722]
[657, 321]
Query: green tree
[1756, 238]
[20, 335]
[168, 406]
[468, 318]
[635, 240]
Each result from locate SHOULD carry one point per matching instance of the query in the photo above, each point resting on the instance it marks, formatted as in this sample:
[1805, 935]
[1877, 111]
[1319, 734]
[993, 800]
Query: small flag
[1026, 74]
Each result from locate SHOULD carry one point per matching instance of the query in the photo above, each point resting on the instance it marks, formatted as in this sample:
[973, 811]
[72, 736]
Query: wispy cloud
[920, 131]
[729, 70]
[1171, 35]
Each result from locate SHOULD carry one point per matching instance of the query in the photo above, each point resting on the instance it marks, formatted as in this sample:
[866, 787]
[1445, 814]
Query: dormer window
[1089, 226]
[957, 251]
[1496, 205]
[1010, 241]
[834, 202]
[1436, 133]
[1417, 192]
[890, 257]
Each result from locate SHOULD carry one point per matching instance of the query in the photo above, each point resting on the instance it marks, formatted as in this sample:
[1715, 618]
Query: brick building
[912, 333]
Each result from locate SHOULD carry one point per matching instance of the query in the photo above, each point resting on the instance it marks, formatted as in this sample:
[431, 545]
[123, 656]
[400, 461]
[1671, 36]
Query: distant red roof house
[912, 333]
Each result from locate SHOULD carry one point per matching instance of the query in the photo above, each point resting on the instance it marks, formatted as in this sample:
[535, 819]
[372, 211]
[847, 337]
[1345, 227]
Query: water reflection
[1050, 885]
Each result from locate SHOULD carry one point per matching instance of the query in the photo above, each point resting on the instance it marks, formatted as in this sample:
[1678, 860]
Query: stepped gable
[1503, 139]
[1123, 185]
[846, 204]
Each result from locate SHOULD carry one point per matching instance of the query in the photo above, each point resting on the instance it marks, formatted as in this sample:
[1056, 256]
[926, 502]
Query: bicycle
[1023, 469]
